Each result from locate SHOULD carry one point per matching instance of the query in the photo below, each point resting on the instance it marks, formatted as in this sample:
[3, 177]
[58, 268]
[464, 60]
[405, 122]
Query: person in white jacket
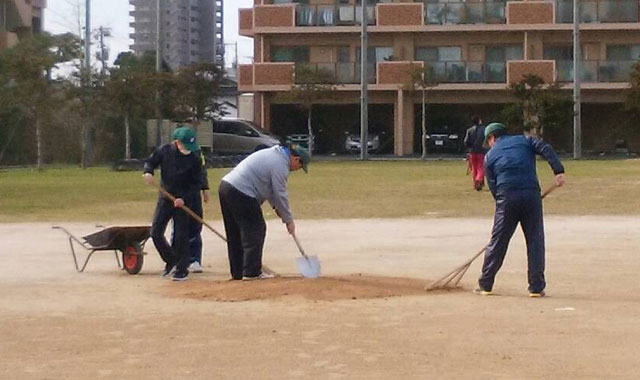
[261, 176]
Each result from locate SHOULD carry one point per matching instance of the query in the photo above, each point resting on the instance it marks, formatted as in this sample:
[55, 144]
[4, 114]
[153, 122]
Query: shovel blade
[309, 266]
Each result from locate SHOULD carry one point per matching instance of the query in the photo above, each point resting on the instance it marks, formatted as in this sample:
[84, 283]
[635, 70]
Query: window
[440, 53]
[558, 53]
[344, 53]
[377, 54]
[623, 52]
[504, 53]
[290, 54]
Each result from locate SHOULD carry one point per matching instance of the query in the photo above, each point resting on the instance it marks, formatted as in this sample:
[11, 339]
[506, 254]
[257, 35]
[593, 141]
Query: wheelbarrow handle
[188, 211]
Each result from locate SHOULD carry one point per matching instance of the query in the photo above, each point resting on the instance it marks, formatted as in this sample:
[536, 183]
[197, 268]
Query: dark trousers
[195, 229]
[246, 230]
[178, 253]
[524, 207]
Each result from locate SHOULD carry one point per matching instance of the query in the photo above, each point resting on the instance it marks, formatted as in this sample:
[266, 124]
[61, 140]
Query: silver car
[352, 142]
[239, 136]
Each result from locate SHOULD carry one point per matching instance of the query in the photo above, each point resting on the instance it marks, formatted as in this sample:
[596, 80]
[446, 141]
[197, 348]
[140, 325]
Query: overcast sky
[65, 15]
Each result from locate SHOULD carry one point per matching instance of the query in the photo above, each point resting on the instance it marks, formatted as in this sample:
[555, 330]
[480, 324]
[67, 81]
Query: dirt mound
[322, 289]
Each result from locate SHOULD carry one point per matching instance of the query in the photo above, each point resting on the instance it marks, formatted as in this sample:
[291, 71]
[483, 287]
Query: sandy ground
[367, 318]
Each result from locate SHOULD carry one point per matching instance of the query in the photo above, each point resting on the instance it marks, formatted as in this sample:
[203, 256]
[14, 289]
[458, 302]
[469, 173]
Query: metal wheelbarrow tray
[128, 240]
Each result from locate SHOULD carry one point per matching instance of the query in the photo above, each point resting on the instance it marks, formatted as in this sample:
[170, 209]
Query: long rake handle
[458, 272]
[189, 211]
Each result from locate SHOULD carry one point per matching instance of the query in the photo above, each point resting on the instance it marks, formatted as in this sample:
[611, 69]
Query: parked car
[239, 136]
[302, 139]
[444, 140]
[352, 142]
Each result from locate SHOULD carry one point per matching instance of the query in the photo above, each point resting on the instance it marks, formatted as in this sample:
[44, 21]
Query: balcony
[467, 72]
[333, 15]
[459, 12]
[596, 71]
[336, 72]
[545, 69]
[598, 11]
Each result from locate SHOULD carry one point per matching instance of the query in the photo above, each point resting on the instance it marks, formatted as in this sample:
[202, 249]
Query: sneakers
[482, 292]
[537, 295]
[180, 276]
[168, 270]
[261, 276]
[195, 267]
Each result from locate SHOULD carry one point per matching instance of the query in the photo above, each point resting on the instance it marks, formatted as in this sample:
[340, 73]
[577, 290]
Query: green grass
[381, 189]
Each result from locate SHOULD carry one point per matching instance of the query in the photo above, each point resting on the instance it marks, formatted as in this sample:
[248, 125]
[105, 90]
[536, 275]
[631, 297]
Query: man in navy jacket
[510, 168]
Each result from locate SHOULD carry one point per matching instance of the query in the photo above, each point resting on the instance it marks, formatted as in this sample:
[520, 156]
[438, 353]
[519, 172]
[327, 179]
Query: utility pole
[577, 72]
[158, 69]
[87, 35]
[364, 101]
[103, 54]
[85, 82]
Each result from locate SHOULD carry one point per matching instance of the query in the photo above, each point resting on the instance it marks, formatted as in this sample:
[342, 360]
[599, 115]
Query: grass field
[381, 189]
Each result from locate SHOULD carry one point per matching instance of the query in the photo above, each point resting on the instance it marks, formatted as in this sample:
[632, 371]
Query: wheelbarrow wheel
[132, 258]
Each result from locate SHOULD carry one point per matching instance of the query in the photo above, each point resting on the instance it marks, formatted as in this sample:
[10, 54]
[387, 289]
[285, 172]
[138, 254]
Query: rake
[452, 279]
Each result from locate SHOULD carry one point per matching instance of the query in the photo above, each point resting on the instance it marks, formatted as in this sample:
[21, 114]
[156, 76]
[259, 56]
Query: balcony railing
[333, 15]
[596, 71]
[460, 12]
[467, 72]
[337, 72]
[605, 11]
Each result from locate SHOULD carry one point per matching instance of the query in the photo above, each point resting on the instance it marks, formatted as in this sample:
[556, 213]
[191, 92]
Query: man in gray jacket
[261, 176]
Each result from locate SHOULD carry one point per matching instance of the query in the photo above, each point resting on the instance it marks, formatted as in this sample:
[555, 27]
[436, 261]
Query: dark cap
[303, 153]
[187, 137]
[491, 129]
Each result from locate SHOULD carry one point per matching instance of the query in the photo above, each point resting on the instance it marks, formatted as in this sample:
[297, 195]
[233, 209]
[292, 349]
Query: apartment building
[19, 18]
[475, 48]
[191, 30]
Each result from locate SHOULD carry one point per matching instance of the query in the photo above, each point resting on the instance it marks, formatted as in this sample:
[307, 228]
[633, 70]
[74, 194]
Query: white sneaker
[261, 276]
[195, 267]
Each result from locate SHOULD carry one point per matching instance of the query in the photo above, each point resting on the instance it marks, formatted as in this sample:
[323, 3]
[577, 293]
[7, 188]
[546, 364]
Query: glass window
[449, 53]
[441, 53]
[558, 52]
[344, 54]
[504, 53]
[290, 54]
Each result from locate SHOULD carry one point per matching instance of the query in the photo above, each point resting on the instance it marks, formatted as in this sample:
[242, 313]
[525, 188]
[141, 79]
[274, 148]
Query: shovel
[308, 266]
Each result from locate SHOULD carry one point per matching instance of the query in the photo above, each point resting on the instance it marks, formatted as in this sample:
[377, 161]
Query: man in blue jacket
[510, 168]
[180, 175]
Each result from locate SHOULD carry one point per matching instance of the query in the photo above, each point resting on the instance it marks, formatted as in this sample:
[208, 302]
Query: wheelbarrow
[128, 240]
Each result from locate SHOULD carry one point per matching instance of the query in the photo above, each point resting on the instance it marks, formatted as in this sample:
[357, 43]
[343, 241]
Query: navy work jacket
[511, 163]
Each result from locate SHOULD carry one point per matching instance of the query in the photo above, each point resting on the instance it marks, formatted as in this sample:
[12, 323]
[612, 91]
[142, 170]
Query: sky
[63, 16]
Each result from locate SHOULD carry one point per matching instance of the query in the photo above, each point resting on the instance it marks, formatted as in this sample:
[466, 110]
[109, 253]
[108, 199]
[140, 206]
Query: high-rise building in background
[19, 18]
[191, 30]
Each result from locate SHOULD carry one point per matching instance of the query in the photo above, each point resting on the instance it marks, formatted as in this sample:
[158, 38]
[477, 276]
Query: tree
[130, 90]
[195, 89]
[25, 78]
[538, 106]
[311, 86]
[422, 79]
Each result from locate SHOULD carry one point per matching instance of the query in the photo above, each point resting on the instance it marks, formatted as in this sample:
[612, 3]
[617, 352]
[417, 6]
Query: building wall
[19, 18]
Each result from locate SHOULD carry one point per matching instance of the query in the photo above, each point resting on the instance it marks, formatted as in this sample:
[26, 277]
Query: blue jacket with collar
[511, 163]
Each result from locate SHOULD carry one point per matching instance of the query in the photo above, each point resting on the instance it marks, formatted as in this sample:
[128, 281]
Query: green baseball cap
[491, 129]
[303, 154]
[187, 137]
